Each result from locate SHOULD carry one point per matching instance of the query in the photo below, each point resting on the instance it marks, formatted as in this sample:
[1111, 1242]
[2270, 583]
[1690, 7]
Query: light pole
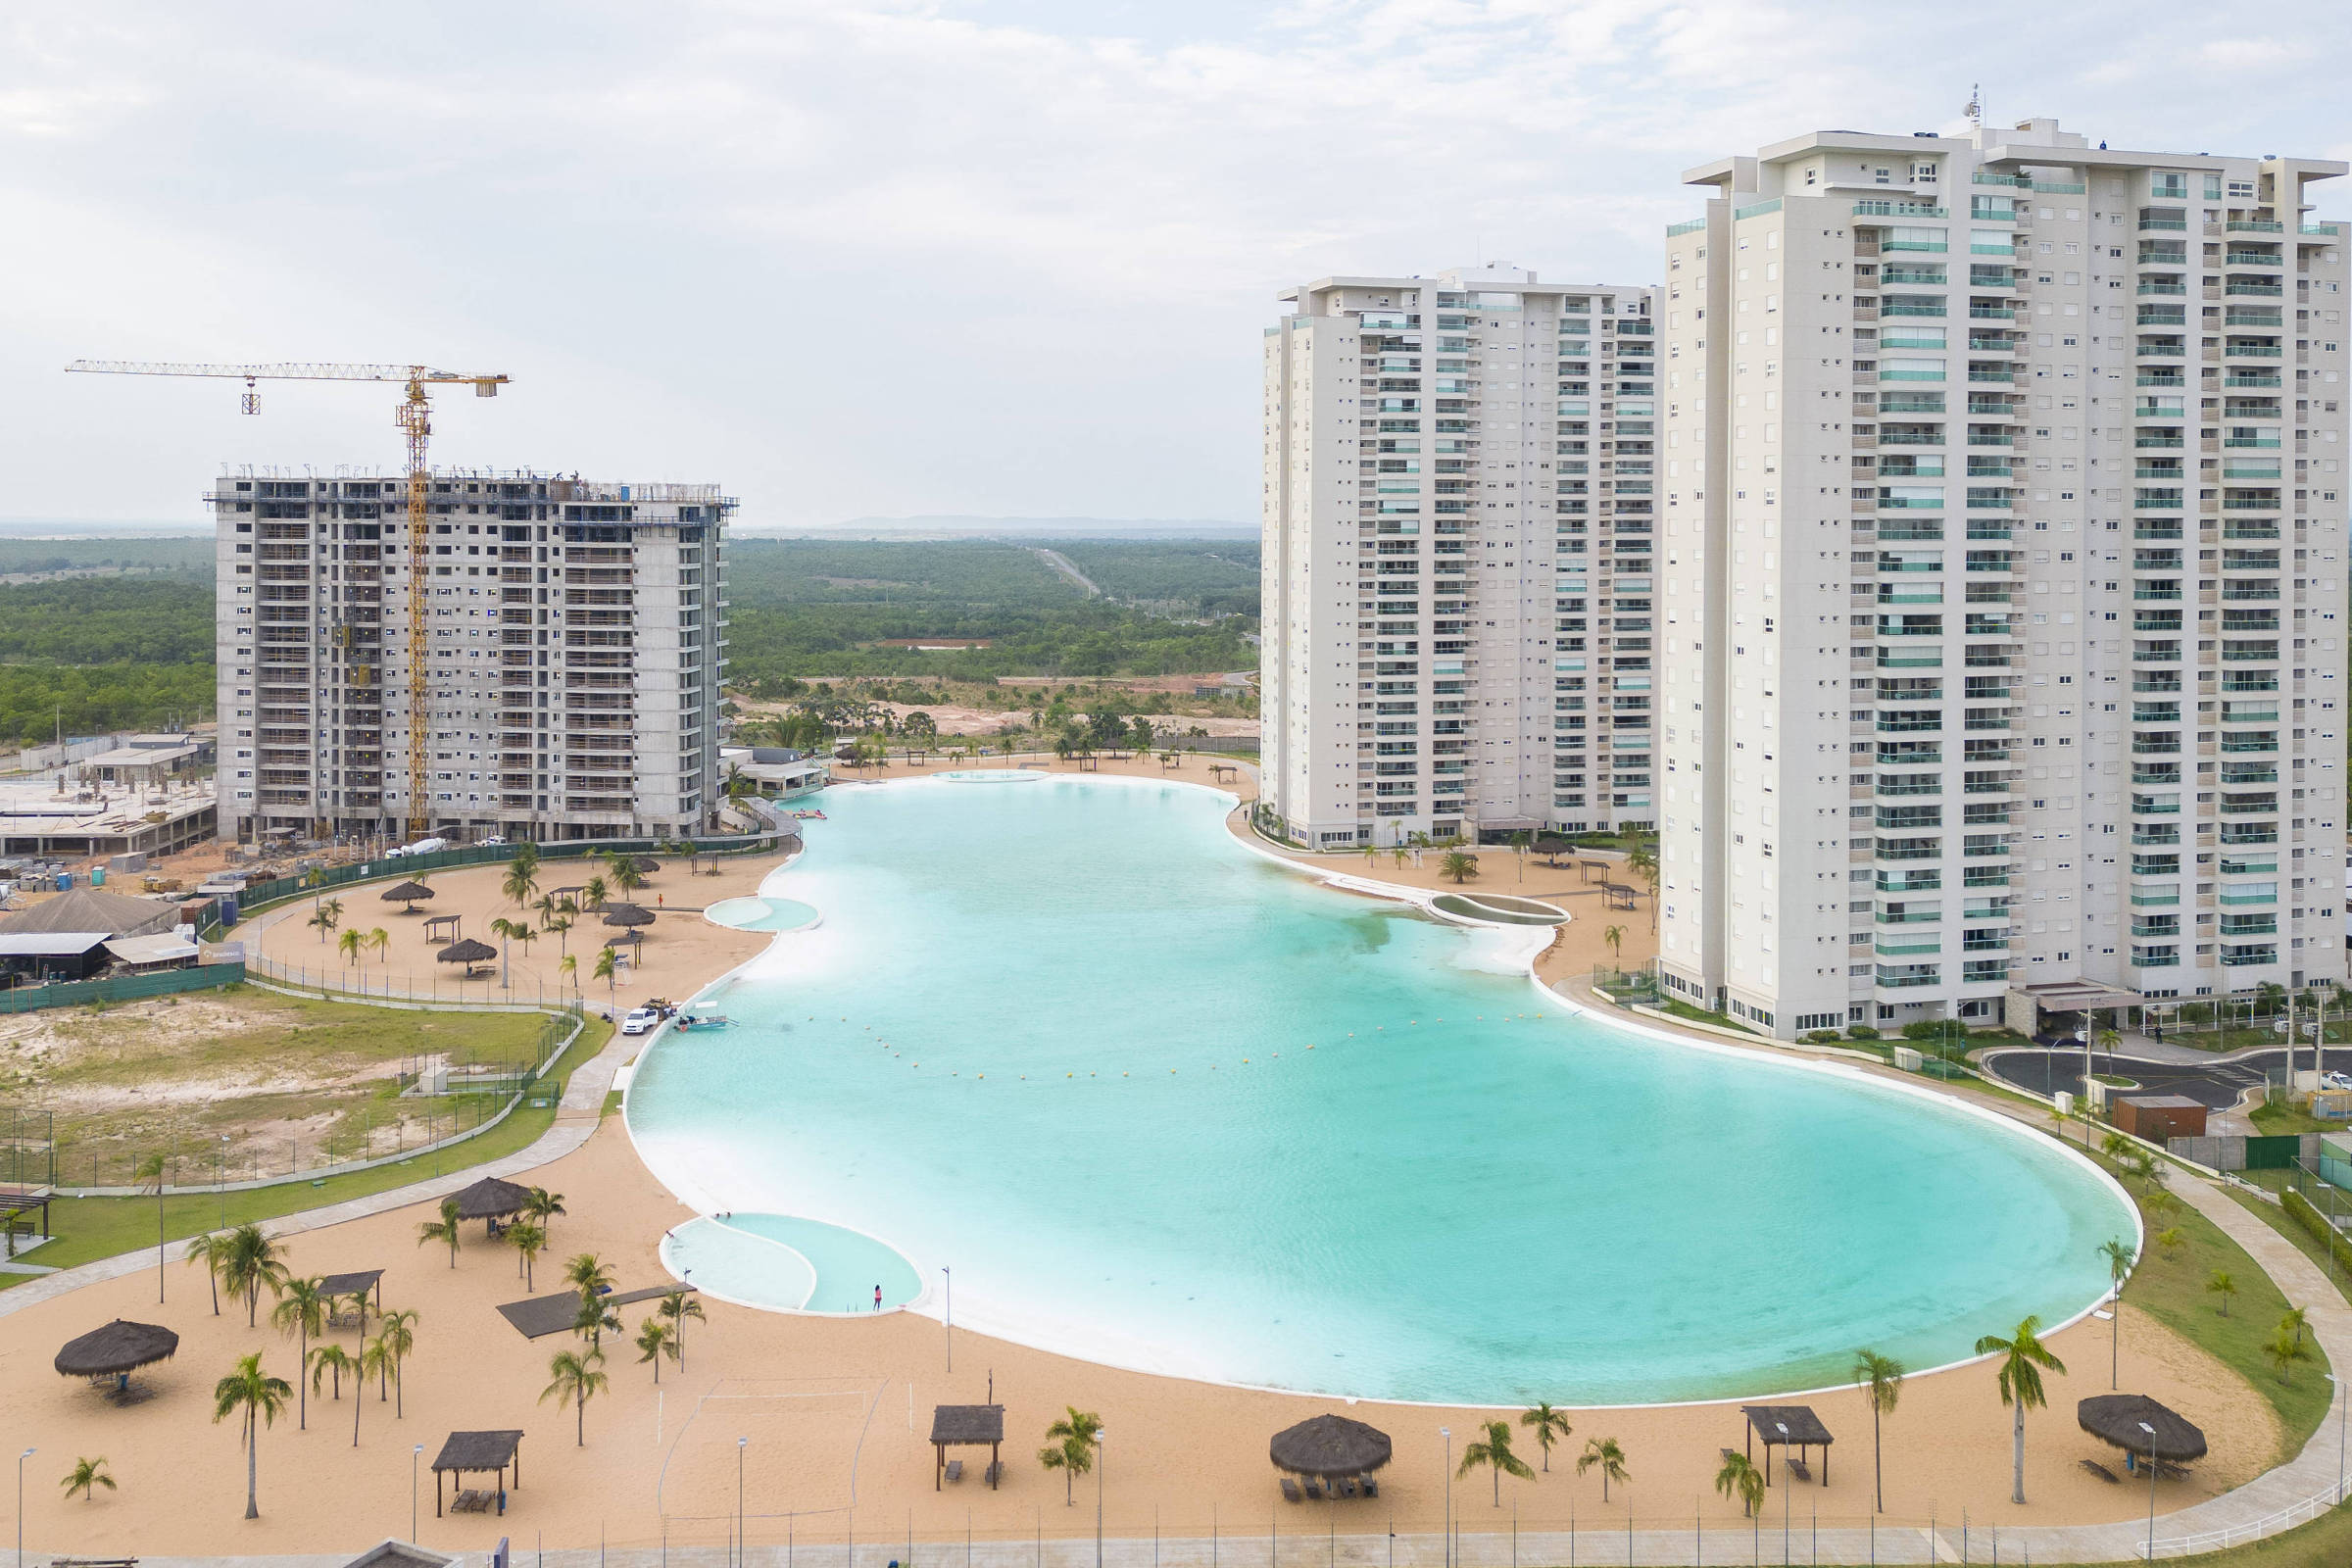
[2151, 1432]
[2343, 1403]
[21, 1458]
[741, 1444]
[1099, 1467]
[1446, 1520]
[414, 1454]
[951, 1323]
[220, 1180]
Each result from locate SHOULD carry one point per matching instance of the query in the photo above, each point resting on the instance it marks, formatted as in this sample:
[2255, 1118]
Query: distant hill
[967, 528]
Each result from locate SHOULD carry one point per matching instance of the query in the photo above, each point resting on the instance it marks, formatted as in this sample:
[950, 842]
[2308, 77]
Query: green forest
[136, 650]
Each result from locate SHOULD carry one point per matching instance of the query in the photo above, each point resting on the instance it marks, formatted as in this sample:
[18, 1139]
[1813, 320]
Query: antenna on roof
[1976, 104]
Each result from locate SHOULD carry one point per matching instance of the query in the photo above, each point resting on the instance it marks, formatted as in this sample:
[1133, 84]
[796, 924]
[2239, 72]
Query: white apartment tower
[1457, 558]
[576, 633]
[2003, 578]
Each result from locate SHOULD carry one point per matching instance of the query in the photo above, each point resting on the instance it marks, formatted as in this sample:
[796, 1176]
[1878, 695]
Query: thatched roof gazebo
[2142, 1428]
[1329, 1445]
[478, 1452]
[627, 915]
[407, 895]
[117, 1350]
[491, 1199]
[467, 952]
[966, 1426]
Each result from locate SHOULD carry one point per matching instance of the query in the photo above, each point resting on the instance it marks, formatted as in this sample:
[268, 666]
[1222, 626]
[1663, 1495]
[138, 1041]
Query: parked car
[2336, 1080]
[639, 1021]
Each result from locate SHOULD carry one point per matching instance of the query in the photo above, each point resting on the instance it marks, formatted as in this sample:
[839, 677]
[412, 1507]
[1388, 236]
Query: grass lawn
[2274, 1120]
[2173, 1291]
[91, 1228]
[1721, 1020]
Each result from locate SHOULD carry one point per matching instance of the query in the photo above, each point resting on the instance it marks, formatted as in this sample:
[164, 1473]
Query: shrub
[1822, 1037]
[1861, 1031]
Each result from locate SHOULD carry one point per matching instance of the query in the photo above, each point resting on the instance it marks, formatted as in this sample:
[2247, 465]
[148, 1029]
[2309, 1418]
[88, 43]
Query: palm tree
[332, 1360]
[2023, 1357]
[1552, 1426]
[503, 928]
[212, 1251]
[541, 1206]
[1070, 1448]
[150, 1172]
[381, 941]
[1605, 1452]
[587, 1273]
[1641, 860]
[2298, 1318]
[590, 1321]
[576, 1378]
[259, 1399]
[2170, 1239]
[528, 1241]
[653, 1342]
[2286, 1347]
[348, 944]
[1614, 936]
[610, 973]
[626, 874]
[593, 893]
[2120, 1255]
[397, 1334]
[1882, 1380]
[86, 1477]
[444, 1229]
[1741, 1477]
[1459, 867]
[568, 966]
[252, 1262]
[303, 1310]
[323, 919]
[374, 1360]
[2223, 1285]
[1494, 1451]
[679, 1305]
[521, 879]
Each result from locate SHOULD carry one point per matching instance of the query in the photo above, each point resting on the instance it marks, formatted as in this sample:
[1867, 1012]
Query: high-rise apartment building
[575, 635]
[1458, 573]
[2003, 575]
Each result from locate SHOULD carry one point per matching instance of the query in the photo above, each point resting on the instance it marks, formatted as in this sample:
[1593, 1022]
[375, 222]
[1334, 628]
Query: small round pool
[993, 775]
[786, 1264]
[1497, 909]
[761, 914]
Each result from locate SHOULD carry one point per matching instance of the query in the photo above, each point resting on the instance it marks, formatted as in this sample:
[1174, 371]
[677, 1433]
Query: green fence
[2273, 1154]
[122, 988]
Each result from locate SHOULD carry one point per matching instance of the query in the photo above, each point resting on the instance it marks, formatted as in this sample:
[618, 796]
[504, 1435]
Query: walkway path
[1068, 568]
[576, 1116]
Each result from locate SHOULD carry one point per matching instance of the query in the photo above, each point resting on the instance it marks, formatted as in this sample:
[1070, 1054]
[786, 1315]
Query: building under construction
[574, 638]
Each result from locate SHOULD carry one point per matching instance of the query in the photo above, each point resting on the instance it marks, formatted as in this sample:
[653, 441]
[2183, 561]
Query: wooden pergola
[437, 926]
[357, 1284]
[478, 1451]
[16, 1201]
[966, 1426]
[1791, 1426]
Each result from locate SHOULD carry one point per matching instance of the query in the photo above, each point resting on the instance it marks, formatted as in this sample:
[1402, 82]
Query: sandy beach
[837, 1411]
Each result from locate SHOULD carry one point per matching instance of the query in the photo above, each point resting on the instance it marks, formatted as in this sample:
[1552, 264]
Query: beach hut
[407, 895]
[490, 1200]
[966, 1426]
[627, 915]
[467, 952]
[2142, 1428]
[1328, 1449]
[115, 1351]
[355, 1286]
[1791, 1426]
[478, 1452]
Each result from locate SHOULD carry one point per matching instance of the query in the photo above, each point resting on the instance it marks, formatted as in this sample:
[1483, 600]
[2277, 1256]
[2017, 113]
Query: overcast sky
[888, 256]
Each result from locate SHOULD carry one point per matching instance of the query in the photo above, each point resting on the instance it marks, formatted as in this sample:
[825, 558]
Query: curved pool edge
[1524, 945]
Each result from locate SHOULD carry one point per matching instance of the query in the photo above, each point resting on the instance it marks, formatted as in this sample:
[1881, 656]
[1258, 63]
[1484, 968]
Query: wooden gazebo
[476, 1452]
[437, 926]
[966, 1426]
[357, 1284]
[1791, 1426]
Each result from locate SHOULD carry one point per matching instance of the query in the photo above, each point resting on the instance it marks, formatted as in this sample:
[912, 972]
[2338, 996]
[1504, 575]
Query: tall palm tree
[521, 879]
[212, 1251]
[1070, 1448]
[576, 1378]
[302, 1311]
[381, 941]
[1882, 1380]
[590, 1319]
[609, 972]
[1739, 1478]
[374, 1360]
[2120, 1255]
[626, 874]
[252, 1262]
[2023, 1357]
[503, 928]
[1494, 1451]
[323, 920]
[258, 1399]
[348, 944]
[150, 1173]
[655, 1340]
[397, 1332]
[2223, 1285]
[678, 1304]
[1614, 936]
[588, 1274]
[1610, 1458]
[594, 892]
[444, 1229]
[332, 1360]
[541, 1205]
[86, 1477]
[1550, 1426]
[568, 966]
[528, 1241]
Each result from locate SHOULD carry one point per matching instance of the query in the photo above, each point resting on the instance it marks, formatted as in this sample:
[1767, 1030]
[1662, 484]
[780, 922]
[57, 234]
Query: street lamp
[21, 1458]
[951, 1324]
[2151, 1432]
[1099, 1435]
[220, 1180]
[741, 1444]
[414, 1454]
[1447, 1522]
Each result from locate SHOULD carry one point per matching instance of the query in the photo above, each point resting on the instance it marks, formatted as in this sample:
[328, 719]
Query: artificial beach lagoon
[1160, 1101]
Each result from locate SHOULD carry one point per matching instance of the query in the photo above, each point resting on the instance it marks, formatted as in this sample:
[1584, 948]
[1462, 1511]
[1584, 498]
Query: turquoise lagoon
[1158, 1102]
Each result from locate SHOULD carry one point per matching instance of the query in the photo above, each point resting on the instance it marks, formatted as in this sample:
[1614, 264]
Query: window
[2174, 188]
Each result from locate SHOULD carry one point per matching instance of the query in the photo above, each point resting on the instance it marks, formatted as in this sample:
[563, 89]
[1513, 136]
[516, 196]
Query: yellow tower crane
[414, 415]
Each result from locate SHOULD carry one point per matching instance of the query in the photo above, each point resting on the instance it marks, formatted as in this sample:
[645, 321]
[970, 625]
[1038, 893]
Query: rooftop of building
[2038, 140]
[29, 809]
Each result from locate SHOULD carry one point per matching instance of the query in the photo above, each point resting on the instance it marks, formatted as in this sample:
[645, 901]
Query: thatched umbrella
[116, 1350]
[2140, 1427]
[467, 952]
[491, 1199]
[627, 915]
[1329, 1445]
[406, 895]
[647, 865]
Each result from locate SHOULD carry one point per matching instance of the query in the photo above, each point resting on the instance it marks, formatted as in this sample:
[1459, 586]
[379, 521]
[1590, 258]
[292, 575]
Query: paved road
[2213, 1081]
[1063, 563]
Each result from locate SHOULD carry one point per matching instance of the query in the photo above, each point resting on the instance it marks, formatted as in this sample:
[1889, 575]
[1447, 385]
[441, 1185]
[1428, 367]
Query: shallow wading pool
[1158, 1102]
